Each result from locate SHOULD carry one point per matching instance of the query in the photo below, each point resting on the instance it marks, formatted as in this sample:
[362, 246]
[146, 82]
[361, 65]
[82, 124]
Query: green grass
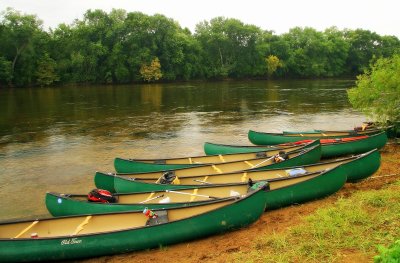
[357, 224]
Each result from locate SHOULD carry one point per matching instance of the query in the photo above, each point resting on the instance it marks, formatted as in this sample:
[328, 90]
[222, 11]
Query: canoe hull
[327, 150]
[263, 138]
[363, 167]
[233, 216]
[376, 141]
[315, 188]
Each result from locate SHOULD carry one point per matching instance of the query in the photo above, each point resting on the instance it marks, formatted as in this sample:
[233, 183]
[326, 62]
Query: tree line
[121, 47]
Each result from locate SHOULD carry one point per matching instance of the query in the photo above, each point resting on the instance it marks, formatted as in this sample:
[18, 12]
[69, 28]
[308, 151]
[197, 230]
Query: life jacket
[101, 196]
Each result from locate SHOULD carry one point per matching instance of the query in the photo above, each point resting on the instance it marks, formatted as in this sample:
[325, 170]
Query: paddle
[262, 162]
[183, 193]
[145, 201]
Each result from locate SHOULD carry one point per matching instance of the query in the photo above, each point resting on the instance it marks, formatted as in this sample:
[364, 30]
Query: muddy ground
[217, 248]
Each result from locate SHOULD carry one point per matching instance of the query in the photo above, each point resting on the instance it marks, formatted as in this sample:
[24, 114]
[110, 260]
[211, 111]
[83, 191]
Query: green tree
[230, 48]
[5, 71]
[364, 46]
[20, 34]
[377, 92]
[45, 72]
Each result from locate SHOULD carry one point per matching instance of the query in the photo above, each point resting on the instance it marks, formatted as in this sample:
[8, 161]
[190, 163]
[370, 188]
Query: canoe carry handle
[183, 193]
[145, 201]
[26, 229]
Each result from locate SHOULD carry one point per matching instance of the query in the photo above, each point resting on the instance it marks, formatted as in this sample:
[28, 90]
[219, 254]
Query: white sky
[380, 16]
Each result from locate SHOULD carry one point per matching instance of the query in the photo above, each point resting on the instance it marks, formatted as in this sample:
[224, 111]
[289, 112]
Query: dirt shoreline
[218, 248]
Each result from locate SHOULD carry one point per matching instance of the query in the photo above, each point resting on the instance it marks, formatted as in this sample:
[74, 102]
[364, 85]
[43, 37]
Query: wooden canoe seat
[27, 228]
[244, 177]
[216, 169]
[249, 164]
[81, 226]
[194, 194]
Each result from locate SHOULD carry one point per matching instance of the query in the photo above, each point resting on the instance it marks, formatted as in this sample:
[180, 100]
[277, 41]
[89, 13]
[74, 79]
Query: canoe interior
[216, 168]
[91, 224]
[204, 193]
[243, 176]
[223, 158]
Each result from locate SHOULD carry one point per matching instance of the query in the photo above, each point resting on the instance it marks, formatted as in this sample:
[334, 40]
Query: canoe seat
[162, 218]
[81, 226]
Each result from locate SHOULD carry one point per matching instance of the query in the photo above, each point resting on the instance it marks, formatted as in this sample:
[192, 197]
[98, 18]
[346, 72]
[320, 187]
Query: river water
[54, 139]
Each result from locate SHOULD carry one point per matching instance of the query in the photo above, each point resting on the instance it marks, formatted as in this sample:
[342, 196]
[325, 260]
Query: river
[54, 139]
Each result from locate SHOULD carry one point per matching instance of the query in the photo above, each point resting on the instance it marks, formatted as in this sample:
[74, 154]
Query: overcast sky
[380, 16]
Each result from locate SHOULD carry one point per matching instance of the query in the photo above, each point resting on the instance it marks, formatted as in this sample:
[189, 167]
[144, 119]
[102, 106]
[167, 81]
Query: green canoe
[300, 157]
[264, 138]
[329, 148]
[284, 191]
[357, 168]
[74, 237]
[153, 165]
[339, 148]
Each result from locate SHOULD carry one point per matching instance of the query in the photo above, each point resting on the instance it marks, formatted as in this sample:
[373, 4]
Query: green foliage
[388, 255]
[5, 71]
[377, 92]
[112, 47]
[22, 39]
[45, 72]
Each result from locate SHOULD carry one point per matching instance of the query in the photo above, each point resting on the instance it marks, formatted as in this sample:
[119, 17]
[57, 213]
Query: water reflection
[54, 139]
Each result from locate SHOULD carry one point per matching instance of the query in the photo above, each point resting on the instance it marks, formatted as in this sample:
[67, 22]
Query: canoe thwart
[81, 226]
[27, 228]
